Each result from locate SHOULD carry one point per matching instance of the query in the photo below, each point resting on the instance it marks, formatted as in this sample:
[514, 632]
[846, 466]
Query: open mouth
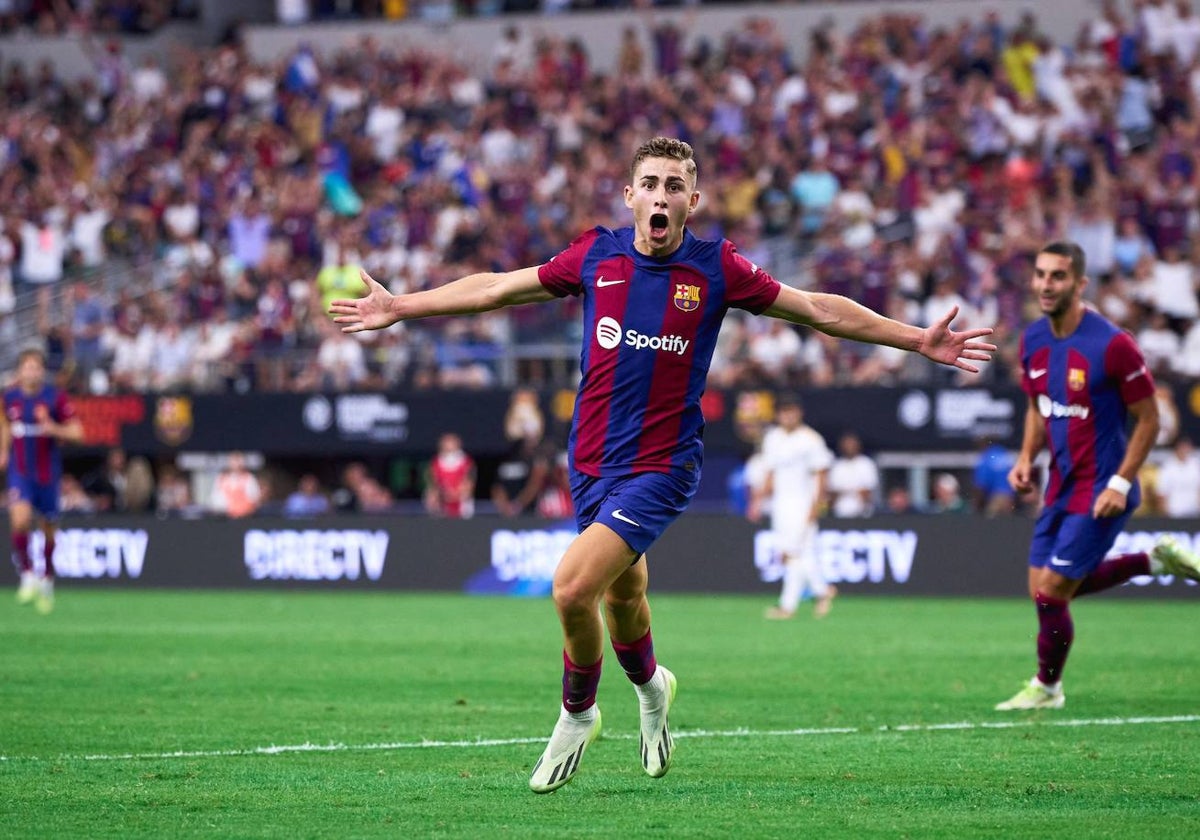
[658, 225]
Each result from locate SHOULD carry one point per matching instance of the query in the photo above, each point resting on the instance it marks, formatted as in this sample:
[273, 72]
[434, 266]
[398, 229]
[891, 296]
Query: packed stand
[56, 17]
[908, 167]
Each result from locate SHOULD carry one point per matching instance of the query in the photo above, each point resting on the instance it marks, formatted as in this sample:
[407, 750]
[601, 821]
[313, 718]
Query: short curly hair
[664, 147]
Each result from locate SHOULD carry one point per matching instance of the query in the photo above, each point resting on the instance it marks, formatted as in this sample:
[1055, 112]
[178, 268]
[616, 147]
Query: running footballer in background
[38, 417]
[654, 296]
[1085, 377]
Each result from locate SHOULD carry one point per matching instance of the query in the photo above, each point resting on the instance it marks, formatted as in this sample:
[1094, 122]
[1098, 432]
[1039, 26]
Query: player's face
[662, 196]
[31, 373]
[790, 417]
[1057, 290]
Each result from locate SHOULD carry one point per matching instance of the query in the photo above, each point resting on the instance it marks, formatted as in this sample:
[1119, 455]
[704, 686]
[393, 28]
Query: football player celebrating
[654, 297]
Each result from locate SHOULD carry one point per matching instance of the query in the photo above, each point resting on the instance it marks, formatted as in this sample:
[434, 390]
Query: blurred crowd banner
[948, 555]
[347, 425]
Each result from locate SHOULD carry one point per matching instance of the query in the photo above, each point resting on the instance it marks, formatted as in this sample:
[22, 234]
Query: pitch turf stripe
[693, 733]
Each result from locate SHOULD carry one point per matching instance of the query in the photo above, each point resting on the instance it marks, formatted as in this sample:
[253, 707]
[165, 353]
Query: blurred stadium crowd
[183, 224]
[52, 17]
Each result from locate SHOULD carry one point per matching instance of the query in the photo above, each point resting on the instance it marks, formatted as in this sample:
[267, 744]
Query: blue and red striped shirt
[35, 455]
[650, 327]
[1081, 386]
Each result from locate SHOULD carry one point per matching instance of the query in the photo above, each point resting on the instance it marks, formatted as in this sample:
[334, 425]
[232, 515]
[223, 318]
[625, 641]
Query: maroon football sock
[580, 684]
[1116, 571]
[637, 658]
[1055, 634]
[49, 552]
[20, 551]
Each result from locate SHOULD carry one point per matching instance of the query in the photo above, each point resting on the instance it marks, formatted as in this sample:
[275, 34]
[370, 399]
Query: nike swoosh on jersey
[601, 282]
[618, 515]
[1035, 373]
[1058, 561]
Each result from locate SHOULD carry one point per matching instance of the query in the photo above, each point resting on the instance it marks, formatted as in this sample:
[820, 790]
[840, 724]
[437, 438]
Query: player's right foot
[778, 614]
[28, 589]
[821, 609]
[1175, 559]
[1034, 695]
[45, 596]
[562, 755]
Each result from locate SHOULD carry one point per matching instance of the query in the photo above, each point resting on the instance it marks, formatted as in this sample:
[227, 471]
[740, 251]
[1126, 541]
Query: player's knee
[574, 596]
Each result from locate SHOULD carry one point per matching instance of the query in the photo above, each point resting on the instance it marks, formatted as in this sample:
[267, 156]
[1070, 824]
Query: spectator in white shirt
[1178, 484]
[853, 479]
[1173, 285]
[1187, 362]
[1185, 35]
[341, 359]
[87, 232]
[1159, 343]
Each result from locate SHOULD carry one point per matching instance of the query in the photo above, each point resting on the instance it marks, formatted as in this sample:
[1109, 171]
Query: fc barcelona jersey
[1081, 385]
[649, 330]
[34, 454]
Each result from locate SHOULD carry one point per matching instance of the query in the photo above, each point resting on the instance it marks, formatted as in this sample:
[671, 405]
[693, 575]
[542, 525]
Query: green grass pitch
[143, 714]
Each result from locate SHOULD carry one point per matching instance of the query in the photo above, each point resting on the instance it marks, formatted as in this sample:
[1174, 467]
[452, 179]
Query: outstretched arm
[468, 295]
[843, 318]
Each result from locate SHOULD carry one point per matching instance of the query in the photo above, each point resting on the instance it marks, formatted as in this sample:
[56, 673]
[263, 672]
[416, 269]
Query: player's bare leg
[628, 613]
[590, 565]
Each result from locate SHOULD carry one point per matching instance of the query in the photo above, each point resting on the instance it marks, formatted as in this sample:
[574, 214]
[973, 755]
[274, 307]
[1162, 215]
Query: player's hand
[1020, 477]
[1109, 503]
[941, 344]
[41, 413]
[373, 312]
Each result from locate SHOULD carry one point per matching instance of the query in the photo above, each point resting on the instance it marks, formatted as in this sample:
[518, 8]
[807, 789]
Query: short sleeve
[822, 457]
[1026, 382]
[563, 274]
[1123, 362]
[746, 285]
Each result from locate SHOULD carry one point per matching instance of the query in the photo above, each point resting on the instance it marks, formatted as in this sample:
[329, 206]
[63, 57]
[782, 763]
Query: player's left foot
[28, 589]
[654, 702]
[778, 614]
[1035, 695]
[1176, 559]
[560, 760]
[45, 596]
[821, 609]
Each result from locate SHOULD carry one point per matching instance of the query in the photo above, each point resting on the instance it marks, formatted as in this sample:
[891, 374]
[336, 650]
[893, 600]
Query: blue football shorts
[42, 497]
[1073, 544]
[638, 507]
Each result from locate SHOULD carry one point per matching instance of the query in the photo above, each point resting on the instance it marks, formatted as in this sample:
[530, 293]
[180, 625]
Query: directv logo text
[609, 334]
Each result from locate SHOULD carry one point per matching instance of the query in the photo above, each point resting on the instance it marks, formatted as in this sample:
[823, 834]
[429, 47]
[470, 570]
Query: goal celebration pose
[654, 297]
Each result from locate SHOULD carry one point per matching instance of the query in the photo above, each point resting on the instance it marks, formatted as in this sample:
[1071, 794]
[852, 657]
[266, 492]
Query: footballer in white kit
[796, 462]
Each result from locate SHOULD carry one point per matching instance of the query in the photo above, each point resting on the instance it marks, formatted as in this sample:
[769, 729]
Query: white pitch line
[692, 733]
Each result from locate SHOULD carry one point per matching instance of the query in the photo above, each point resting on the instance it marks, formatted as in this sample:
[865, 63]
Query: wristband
[1121, 485]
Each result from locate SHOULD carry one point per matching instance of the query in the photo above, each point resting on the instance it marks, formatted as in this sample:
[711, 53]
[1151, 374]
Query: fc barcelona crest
[1076, 379]
[173, 419]
[687, 298]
